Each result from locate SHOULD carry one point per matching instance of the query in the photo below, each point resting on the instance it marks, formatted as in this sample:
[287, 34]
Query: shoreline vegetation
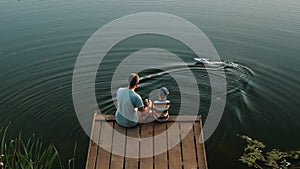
[256, 156]
[16, 153]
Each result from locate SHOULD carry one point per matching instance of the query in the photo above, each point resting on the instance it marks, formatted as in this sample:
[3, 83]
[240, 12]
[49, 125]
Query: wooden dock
[187, 154]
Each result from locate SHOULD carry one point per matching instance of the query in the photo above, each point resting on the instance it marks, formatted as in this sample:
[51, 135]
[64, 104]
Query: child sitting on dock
[161, 106]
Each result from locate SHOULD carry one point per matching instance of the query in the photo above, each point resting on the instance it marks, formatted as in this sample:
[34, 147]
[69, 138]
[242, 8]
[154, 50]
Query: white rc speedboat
[209, 63]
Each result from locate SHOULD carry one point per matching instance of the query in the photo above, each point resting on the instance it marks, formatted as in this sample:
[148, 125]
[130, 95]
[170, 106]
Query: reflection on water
[40, 41]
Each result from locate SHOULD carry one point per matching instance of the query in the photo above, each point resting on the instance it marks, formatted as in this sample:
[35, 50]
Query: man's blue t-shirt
[127, 103]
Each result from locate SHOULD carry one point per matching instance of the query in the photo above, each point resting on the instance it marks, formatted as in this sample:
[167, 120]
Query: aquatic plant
[255, 156]
[15, 153]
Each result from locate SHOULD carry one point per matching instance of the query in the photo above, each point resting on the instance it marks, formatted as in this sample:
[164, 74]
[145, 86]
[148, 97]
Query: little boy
[161, 106]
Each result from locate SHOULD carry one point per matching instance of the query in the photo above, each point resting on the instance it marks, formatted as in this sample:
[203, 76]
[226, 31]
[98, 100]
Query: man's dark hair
[133, 79]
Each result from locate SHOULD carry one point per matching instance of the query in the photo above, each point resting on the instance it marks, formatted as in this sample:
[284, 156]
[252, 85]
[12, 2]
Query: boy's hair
[163, 93]
[133, 79]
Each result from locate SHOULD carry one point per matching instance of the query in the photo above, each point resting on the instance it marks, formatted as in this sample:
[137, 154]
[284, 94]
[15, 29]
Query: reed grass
[16, 153]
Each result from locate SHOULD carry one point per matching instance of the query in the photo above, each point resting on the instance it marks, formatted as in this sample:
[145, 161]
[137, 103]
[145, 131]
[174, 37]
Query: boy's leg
[145, 116]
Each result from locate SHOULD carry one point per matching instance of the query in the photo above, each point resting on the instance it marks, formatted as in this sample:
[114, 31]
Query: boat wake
[237, 75]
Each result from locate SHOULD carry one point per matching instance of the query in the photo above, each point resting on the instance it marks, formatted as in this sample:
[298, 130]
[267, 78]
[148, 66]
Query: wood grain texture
[146, 146]
[188, 146]
[132, 148]
[171, 118]
[160, 143]
[119, 139]
[105, 143]
[175, 159]
[202, 163]
[148, 141]
[93, 146]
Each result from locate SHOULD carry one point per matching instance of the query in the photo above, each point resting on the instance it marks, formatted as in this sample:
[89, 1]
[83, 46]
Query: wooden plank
[202, 163]
[175, 159]
[93, 147]
[132, 148]
[119, 139]
[146, 146]
[188, 146]
[106, 117]
[184, 118]
[160, 143]
[171, 118]
[105, 141]
[190, 154]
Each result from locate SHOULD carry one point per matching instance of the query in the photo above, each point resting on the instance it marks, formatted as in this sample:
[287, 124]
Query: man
[130, 107]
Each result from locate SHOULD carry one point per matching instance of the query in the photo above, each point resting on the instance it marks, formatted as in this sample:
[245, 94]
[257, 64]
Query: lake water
[40, 42]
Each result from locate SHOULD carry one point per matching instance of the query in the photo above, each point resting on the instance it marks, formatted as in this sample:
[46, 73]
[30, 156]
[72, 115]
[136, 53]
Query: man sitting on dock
[130, 106]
